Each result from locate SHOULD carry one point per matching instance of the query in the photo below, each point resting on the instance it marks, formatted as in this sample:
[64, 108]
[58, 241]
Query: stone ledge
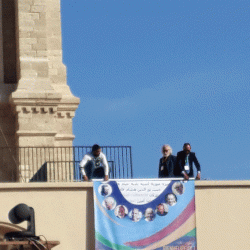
[45, 186]
[36, 133]
[221, 184]
[33, 96]
[60, 137]
[84, 185]
[34, 59]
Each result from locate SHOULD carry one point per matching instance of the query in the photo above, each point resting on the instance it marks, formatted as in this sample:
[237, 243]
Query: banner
[144, 214]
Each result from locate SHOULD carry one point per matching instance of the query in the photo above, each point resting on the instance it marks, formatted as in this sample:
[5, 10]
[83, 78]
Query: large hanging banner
[145, 214]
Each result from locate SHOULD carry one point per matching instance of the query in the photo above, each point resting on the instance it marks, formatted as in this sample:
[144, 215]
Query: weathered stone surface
[27, 41]
[42, 105]
[29, 2]
[25, 47]
[42, 53]
[38, 8]
[27, 53]
[26, 28]
[24, 7]
[40, 45]
[38, 34]
[23, 34]
[39, 2]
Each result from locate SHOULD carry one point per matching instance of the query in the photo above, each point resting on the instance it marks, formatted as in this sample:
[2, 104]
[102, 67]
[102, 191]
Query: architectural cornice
[59, 137]
[35, 133]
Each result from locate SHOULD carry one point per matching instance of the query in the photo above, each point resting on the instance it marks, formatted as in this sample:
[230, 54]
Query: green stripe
[107, 243]
[191, 233]
[114, 246]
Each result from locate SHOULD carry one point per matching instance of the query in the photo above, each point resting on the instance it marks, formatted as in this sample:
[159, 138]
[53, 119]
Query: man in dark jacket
[185, 160]
[167, 163]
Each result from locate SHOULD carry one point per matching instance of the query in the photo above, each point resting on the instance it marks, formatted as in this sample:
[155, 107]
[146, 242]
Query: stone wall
[63, 211]
[40, 100]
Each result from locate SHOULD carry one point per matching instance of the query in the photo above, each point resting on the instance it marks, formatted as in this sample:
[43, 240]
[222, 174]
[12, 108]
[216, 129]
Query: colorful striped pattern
[183, 224]
[103, 244]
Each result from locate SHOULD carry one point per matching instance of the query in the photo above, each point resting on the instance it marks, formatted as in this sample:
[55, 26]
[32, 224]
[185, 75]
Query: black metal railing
[119, 159]
[58, 164]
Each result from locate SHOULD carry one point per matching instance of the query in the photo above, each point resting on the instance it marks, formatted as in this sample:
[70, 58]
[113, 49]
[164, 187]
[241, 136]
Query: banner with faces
[145, 214]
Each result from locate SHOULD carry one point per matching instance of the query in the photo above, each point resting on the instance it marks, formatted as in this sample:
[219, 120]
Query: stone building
[36, 104]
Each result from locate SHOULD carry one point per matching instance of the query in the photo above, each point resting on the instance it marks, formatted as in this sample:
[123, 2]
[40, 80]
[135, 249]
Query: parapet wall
[222, 214]
[64, 212]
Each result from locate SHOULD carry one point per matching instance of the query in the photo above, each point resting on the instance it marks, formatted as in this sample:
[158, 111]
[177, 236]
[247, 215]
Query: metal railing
[60, 164]
[119, 159]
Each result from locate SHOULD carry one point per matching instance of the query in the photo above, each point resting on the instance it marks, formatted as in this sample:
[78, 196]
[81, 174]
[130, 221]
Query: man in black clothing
[185, 160]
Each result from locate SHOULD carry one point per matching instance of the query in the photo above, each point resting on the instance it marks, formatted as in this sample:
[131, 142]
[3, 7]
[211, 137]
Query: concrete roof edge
[225, 184]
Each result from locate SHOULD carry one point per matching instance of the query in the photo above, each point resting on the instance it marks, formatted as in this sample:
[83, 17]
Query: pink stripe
[187, 212]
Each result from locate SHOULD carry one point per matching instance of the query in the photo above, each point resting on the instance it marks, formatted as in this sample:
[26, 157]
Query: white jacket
[96, 162]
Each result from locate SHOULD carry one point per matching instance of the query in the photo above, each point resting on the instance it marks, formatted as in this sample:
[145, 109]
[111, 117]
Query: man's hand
[106, 178]
[186, 177]
[85, 178]
[198, 177]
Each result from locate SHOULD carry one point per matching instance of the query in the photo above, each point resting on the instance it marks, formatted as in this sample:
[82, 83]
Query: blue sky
[159, 72]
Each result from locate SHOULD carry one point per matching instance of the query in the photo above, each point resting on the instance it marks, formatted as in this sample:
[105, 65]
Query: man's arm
[198, 167]
[172, 164]
[106, 167]
[160, 175]
[179, 156]
[82, 164]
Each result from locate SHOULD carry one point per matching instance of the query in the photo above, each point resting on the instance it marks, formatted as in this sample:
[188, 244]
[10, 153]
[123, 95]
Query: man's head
[149, 214]
[187, 148]
[121, 212]
[171, 199]
[96, 150]
[135, 214]
[179, 188]
[109, 203]
[160, 209]
[166, 150]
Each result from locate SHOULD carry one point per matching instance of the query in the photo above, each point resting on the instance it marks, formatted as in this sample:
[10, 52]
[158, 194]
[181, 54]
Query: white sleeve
[83, 163]
[105, 164]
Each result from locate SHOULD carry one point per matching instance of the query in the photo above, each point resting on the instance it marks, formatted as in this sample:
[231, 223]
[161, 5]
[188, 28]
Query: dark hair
[95, 147]
[185, 144]
[102, 191]
[161, 204]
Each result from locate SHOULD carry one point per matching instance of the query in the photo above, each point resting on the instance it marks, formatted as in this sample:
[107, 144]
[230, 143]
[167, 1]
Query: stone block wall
[40, 100]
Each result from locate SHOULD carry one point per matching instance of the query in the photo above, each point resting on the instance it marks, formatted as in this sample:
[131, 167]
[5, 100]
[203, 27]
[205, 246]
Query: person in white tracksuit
[95, 164]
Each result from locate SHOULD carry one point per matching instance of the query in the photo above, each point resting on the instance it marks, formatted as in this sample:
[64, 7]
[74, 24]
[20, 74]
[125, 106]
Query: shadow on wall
[90, 233]
[41, 174]
[5, 92]
[9, 166]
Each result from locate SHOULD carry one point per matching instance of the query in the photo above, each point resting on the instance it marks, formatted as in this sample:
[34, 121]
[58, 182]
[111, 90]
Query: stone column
[57, 74]
[43, 103]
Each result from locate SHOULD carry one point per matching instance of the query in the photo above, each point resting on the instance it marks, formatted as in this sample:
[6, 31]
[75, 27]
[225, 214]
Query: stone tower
[36, 104]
